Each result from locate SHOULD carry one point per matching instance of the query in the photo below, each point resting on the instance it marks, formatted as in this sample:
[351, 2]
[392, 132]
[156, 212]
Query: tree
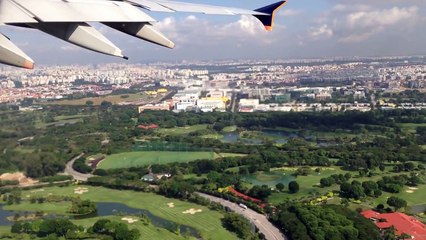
[236, 223]
[105, 104]
[100, 226]
[89, 103]
[396, 202]
[293, 187]
[280, 187]
[261, 192]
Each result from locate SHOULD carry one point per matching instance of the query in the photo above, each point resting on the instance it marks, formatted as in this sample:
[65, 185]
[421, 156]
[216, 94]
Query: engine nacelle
[143, 31]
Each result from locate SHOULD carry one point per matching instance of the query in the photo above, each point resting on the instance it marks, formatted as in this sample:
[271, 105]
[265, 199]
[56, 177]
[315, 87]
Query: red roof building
[400, 221]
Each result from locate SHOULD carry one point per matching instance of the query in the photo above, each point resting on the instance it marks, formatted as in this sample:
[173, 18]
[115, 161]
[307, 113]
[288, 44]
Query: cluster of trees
[117, 230]
[241, 226]
[81, 166]
[82, 207]
[295, 120]
[48, 228]
[64, 228]
[335, 179]
[391, 184]
[13, 197]
[396, 202]
[323, 222]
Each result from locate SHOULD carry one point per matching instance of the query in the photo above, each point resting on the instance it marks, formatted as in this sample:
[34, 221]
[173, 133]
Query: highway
[267, 228]
[76, 175]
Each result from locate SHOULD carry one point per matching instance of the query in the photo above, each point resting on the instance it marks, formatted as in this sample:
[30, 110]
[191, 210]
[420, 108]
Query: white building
[208, 105]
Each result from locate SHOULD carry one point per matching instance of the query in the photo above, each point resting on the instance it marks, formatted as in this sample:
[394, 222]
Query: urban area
[304, 149]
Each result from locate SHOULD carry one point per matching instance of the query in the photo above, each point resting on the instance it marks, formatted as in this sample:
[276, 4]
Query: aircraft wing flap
[151, 6]
[162, 5]
[12, 13]
[83, 11]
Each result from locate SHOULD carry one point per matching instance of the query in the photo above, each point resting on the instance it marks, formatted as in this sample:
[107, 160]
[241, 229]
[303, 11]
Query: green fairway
[232, 128]
[207, 222]
[182, 130]
[133, 159]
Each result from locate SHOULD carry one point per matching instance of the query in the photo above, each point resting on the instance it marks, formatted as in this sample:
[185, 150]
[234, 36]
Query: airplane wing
[264, 14]
[66, 19]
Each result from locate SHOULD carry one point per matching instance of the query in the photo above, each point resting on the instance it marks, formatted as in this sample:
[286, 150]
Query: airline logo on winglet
[268, 20]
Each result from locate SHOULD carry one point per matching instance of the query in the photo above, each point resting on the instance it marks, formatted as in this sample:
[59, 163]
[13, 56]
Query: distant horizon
[192, 61]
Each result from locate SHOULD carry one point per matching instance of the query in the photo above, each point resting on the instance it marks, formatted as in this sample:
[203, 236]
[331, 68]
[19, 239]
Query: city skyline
[303, 29]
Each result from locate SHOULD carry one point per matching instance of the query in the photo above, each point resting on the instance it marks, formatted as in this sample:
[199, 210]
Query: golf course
[205, 221]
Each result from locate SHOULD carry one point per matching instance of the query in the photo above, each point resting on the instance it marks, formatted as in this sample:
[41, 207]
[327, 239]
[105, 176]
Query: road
[76, 175]
[270, 231]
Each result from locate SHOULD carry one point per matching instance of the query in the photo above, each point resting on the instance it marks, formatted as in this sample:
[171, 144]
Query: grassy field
[114, 99]
[411, 127]
[59, 120]
[207, 222]
[132, 159]
[182, 130]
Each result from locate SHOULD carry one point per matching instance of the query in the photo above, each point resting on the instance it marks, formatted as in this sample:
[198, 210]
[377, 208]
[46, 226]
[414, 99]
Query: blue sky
[303, 29]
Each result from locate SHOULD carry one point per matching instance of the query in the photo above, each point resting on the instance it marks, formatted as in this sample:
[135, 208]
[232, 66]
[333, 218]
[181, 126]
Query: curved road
[270, 231]
[76, 175]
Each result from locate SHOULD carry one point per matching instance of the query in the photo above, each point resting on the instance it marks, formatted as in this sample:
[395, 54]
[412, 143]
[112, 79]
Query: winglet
[268, 19]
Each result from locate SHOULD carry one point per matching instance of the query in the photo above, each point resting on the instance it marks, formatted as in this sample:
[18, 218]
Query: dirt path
[76, 175]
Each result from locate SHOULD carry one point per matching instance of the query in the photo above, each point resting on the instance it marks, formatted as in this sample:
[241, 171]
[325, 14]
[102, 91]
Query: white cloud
[381, 18]
[191, 18]
[245, 29]
[289, 12]
[350, 7]
[323, 31]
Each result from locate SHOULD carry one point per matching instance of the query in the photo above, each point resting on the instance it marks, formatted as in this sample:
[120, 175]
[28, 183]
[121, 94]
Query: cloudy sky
[303, 29]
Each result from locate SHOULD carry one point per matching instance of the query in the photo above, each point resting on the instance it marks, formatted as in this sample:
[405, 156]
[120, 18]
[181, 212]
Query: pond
[269, 178]
[416, 209]
[111, 208]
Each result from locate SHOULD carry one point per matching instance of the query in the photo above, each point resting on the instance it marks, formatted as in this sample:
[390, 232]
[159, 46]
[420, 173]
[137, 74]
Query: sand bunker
[171, 204]
[80, 190]
[129, 219]
[18, 176]
[412, 188]
[192, 211]
[409, 191]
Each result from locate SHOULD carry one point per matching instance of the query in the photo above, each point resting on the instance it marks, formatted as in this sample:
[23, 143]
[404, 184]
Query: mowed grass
[182, 130]
[207, 222]
[134, 159]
